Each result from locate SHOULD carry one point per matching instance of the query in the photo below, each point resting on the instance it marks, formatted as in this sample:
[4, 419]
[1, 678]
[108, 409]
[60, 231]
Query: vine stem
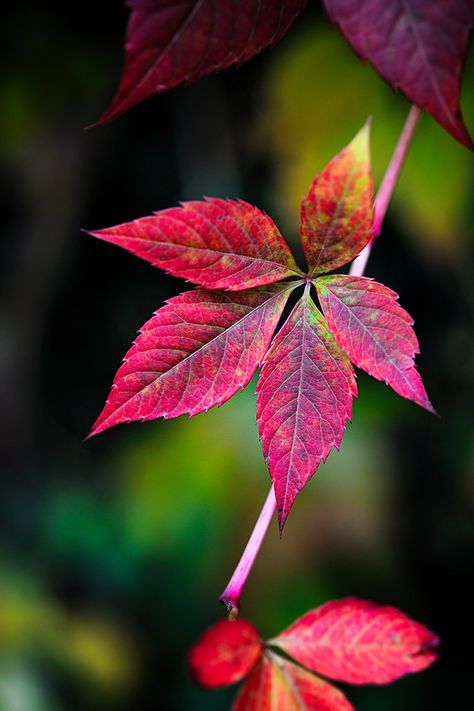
[387, 187]
[232, 594]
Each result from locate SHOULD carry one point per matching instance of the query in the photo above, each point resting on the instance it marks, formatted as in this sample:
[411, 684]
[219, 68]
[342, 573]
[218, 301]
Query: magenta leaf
[169, 43]
[337, 215]
[359, 642]
[197, 351]
[375, 332]
[418, 46]
[217, 244]
[304, 397]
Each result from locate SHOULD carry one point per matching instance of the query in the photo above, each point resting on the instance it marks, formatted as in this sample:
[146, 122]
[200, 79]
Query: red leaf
[194, 353]
[359, 642]
[278, 685]
[337, 215]
[225, 653]
[169, 43]
[218, 244]
[304, 397]
[418, 46]
[374, 331]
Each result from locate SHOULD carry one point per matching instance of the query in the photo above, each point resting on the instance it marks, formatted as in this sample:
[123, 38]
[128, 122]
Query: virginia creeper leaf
[278, 685]
[375, 332]
[359, 642]
[194, 353]
[225, 653]
[337, 215]
[171, 42]
[217, 244]
[304, 397]
[418, 46]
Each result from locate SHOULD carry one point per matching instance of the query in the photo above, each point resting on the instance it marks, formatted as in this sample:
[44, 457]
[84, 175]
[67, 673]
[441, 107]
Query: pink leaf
[374, 331]
[169, 43]
[278, 685]
[218, 244]
[304, 397]
[337, 215]
[194, 353]
[418, 46]
[225, 653]
[359, 642]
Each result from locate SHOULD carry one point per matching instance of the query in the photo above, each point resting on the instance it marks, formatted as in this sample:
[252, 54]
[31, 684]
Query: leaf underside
[336, 214]
[195, 352]
[217, 244]
[169, 43]
[279, 685]
[359, 642]
[375, 332]
[417, 46]
[304, 398]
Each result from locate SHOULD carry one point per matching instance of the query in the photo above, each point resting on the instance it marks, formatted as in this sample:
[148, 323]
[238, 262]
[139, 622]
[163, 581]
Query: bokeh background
[113, 552]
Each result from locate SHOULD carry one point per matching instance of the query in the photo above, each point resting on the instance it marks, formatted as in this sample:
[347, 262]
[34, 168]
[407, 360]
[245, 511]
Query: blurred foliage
[113, 552]
[317, 95]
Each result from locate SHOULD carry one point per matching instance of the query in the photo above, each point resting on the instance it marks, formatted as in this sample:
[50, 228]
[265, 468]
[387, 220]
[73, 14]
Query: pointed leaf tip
[337, 214]
[196, 352]
[374, 331]
[304, 398]
[375, 644]
[169, 43]
[214, 243]
[418, 47]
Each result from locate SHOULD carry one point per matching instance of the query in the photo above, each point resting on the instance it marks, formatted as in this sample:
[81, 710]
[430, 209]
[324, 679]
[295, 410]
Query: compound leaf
[217, 244]
[336, 214]
[359, 642]
[169, 43]
[375, 332]
[225, 653]
[418, 46]
[194, 353]
[304, 397]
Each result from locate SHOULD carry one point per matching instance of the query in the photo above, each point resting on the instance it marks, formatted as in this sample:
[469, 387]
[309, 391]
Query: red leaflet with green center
[279, 685]
[304, 398]
[375, 332]
[203, 346]
[418, 46]
[359, 642]
[351, 640]
[336, 215]
[169, 43]
[225, 653]
[218, 244]
[196, 352]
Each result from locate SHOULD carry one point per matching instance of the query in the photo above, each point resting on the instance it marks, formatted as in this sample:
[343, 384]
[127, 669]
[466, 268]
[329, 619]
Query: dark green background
[113, 552]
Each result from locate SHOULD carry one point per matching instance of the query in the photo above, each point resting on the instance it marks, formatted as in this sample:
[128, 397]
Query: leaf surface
[171, 42]
[359, 642]
[194, 353]
[304, 397]
[278, 685]
[336, 214]
[217, 244]
[418, 46]
[375, 332]
[225, 653]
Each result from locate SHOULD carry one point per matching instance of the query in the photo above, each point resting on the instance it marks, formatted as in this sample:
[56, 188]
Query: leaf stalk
[232, 594]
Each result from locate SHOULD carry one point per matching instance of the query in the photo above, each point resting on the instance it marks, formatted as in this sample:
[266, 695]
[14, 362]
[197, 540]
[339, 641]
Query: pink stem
[232, 594]
[387, 187]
